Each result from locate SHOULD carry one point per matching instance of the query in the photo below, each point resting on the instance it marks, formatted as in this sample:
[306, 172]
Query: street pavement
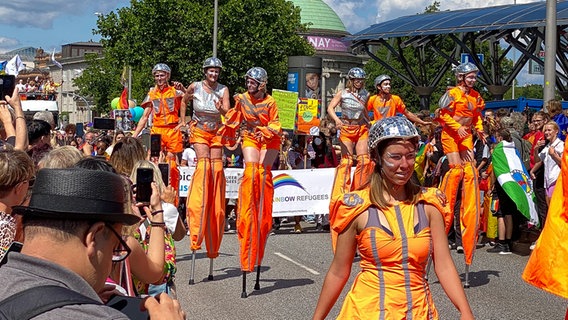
[294, 268]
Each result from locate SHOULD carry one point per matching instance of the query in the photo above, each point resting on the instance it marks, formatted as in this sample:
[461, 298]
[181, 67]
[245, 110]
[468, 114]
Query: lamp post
[77, 96]
[215, 13]
[550, 52]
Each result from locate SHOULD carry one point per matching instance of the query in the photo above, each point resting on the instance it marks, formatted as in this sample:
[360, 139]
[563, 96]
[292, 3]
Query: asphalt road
[294, 268]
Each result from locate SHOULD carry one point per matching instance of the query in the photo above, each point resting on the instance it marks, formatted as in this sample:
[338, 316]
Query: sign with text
[307, 117]
[296, 192]
[328, 44]
[286, 102]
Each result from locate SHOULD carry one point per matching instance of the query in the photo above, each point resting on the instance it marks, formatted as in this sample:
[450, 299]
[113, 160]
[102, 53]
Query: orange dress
[391, 283]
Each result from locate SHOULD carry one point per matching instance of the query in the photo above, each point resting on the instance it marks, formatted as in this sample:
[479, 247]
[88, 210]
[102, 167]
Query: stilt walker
[258, 113]
[206, 200]
[354, 133]
[460, 113]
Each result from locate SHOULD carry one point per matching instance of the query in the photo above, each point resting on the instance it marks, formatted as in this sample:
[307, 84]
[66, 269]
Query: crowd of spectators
[38, 89]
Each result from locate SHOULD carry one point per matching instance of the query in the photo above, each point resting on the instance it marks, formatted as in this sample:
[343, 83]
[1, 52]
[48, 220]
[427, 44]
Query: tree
[179, 33]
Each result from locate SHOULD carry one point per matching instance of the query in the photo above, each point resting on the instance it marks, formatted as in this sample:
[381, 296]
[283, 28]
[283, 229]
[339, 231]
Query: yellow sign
[286, 102]
[307, 120]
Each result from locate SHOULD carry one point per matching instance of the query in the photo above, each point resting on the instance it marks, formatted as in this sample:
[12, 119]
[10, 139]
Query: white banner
[296, 192]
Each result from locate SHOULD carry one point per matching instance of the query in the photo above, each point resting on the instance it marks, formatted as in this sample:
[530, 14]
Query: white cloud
[350, 13]
[41, 13]
[6, 44]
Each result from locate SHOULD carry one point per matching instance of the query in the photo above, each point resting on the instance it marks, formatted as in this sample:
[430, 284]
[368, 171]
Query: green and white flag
[514, 178]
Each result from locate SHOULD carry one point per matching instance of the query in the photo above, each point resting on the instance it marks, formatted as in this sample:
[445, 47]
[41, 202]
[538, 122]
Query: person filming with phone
[70, 246]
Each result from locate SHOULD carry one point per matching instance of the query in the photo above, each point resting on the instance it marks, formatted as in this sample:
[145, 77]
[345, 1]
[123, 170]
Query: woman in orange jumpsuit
[385, 104]
[353, 126]
[460, 113]
[256, 112]
[395, 225]
[206, 200]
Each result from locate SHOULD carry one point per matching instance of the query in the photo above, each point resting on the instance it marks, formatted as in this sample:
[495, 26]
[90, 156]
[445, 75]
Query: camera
[7, 85]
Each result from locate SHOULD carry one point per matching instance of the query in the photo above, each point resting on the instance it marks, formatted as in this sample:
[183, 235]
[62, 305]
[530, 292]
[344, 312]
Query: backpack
[34, 301]
[524, 148]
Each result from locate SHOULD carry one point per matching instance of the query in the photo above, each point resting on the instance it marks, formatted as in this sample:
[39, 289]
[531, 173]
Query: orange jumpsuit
[355, 127]
[456, 104]
[385, 109]
[256, 192]
[391, 283]
[165, 105]
[547, 267]
[206, 200]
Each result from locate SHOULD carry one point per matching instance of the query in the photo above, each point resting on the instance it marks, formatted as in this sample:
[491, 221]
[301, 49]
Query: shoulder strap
[34, 301]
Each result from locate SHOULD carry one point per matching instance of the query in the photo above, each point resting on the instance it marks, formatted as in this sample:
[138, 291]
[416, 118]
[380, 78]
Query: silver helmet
[258, 74]
[161, 67]
[465, 68]
[212, 62]
[356, 73]
[390, 128]
[381, 78]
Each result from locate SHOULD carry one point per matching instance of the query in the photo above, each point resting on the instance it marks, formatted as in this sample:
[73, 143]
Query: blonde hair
[150, 165]
[62, 157]
[554, 124]
[125, 153]
[16, 166]
[379, 186]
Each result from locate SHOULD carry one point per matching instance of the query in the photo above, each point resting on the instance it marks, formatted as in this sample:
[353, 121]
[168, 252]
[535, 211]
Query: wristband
[20, 117]
[157, 211]
[158, 224]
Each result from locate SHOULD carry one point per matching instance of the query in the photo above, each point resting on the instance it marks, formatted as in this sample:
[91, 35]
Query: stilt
[244, 293]
[466, 283]
[257, 284]
[210, 277]
[191, 281]
[428, 266]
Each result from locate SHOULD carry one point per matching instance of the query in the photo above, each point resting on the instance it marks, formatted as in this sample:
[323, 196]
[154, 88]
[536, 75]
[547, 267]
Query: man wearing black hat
[72, 231]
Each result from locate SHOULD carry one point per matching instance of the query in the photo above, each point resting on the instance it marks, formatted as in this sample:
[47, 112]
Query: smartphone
[80, 131]
[130, 306]
[155, 145]
[144, 178]
[7, 85]
[145, 139]
[165, 171]
[104, 123]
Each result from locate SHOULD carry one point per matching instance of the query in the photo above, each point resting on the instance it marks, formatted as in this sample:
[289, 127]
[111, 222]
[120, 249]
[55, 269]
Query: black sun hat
[78, 194]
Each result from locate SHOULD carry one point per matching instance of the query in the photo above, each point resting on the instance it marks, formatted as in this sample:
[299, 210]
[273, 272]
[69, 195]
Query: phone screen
[131, 306]
[144, 178]
[7, 85]
[104, 123]
[155, 145]
[165, 171]
[79, 131]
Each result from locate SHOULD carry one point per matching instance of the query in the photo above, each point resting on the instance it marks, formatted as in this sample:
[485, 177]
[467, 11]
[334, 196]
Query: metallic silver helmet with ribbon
[161, 67]
[465, 68]
[391, 128]
[356, 73]
[212, 62]
[381, 78]
[258, 74]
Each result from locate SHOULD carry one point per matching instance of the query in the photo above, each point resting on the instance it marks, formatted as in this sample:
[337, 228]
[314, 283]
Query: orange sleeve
[400, 106]
[370, 103]
[447, 110]
[347, 207]
[437, 198]
[273, 127]
[478, 123]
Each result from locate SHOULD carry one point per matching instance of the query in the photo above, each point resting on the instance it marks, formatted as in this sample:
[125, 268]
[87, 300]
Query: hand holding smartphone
[155, 145]
[7, 85]
[144, 179]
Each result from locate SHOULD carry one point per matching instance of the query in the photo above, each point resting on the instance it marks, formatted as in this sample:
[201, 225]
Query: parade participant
[384, 104]
[353, 136]
[354, 132]
[71, 243]
[164, 103]
[395, 225]
[547, 267]
[258, 113]
[206, 200]
[460, 113]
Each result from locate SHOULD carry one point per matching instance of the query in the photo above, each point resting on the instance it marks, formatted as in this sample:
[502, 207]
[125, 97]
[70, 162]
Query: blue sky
[49, 24]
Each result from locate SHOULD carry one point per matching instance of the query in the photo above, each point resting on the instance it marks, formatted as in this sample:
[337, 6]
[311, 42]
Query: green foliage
[180, 34]
[532, 91]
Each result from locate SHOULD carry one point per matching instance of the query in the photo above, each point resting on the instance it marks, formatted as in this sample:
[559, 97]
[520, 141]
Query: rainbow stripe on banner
[285, 179]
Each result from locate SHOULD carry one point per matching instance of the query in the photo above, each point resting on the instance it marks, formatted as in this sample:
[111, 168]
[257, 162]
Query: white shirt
[551, 169]
[190, 156]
